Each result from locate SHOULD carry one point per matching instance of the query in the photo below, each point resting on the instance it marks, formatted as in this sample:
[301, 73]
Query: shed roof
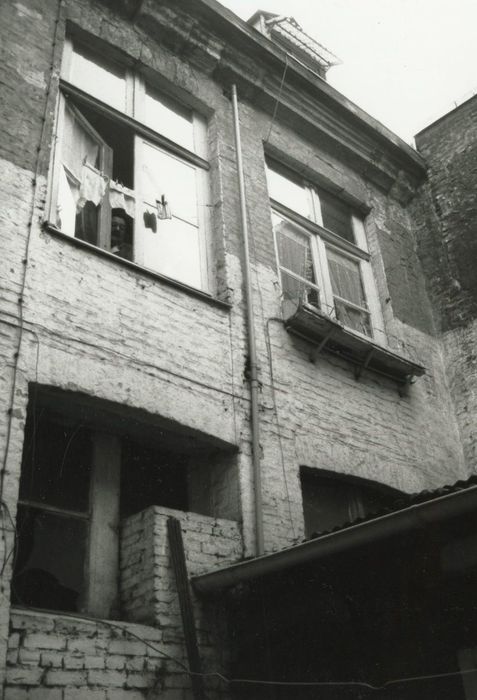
[408, 513]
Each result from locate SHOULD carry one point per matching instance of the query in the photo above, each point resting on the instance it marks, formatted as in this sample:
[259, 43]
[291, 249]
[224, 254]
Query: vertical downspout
[252, 349]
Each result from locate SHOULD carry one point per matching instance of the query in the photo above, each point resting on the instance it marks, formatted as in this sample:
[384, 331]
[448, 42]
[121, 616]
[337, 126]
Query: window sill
[331, 336]
[143, 271]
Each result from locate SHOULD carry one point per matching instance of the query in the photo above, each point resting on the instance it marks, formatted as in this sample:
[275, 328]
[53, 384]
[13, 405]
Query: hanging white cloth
[92, 188]
[121, 197]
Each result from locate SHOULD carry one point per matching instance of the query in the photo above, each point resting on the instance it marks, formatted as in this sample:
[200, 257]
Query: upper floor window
[130, 171]
[322, 252]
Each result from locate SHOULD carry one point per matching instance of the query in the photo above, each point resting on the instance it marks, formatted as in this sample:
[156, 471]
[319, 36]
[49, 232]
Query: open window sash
[82, 168]
[171, 207]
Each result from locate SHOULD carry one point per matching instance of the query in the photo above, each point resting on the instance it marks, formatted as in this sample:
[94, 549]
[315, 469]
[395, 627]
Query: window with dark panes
[334, 500]
[322, 252]
[130, 170]
[53, 516]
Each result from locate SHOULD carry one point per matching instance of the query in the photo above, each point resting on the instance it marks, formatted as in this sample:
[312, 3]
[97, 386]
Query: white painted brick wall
[95, 327]
[148, 589]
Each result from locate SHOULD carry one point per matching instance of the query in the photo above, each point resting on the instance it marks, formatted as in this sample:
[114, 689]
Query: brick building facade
[445, 225]
[126, 386]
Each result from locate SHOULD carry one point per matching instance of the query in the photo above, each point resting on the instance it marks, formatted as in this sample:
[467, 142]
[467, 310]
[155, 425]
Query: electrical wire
[275, 409]
[278, 99]
[130, 359]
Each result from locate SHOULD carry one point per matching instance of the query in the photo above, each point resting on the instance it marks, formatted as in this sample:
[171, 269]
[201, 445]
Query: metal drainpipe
[252, 350]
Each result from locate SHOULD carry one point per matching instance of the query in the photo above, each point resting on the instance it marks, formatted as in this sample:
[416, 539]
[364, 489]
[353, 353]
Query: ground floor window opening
[85, 468]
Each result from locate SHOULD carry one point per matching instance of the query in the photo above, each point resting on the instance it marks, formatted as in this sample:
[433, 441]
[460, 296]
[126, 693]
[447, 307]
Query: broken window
[53, 514]
[321, 252]
[84, 469]
[130, 169]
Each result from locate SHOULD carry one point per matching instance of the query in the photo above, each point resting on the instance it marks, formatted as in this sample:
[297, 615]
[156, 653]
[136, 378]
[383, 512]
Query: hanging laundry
[121, 197]
[163, 208]
[68, 195]
[92, 188]
[150, 221]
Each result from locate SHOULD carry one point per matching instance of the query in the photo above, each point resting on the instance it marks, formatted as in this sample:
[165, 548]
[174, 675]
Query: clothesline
[94, 185]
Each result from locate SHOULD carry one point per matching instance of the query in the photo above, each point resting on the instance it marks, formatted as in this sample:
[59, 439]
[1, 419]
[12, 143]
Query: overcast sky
[406, 62]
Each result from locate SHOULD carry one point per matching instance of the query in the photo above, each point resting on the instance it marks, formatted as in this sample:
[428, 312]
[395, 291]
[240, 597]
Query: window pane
[326, 504]
[294, 254]
[169, 118]
[353, 318]
[346, 278]
[49, 566]
[294, 250]
[297, 290]
[330, 502]
[79, 145]
[336, 216]
[288, 191]
[347, 284]
[164, 175]
[102, 80]
[173, 250]
[172, 245]
[56, 465]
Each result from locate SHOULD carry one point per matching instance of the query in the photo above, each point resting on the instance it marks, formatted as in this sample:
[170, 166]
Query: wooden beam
[176, 544]
[103, 552]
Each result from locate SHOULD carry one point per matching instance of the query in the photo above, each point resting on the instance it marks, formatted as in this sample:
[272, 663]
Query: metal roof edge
[399, 521]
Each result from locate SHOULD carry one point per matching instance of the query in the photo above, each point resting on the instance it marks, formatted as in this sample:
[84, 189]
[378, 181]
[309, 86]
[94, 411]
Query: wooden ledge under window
[328, 334]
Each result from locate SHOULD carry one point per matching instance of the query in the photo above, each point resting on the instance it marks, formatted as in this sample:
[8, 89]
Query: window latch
[163, 208]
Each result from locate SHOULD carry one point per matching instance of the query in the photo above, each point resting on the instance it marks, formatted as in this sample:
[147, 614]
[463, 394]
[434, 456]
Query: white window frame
[322, 239]
[135, 91]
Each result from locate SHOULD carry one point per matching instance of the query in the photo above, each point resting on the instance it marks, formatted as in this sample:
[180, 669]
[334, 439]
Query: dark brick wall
[446, 215]
[28, 60]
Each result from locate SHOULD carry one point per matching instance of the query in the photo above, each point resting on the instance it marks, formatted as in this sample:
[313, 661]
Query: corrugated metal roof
[402, 502]
[416, 512]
